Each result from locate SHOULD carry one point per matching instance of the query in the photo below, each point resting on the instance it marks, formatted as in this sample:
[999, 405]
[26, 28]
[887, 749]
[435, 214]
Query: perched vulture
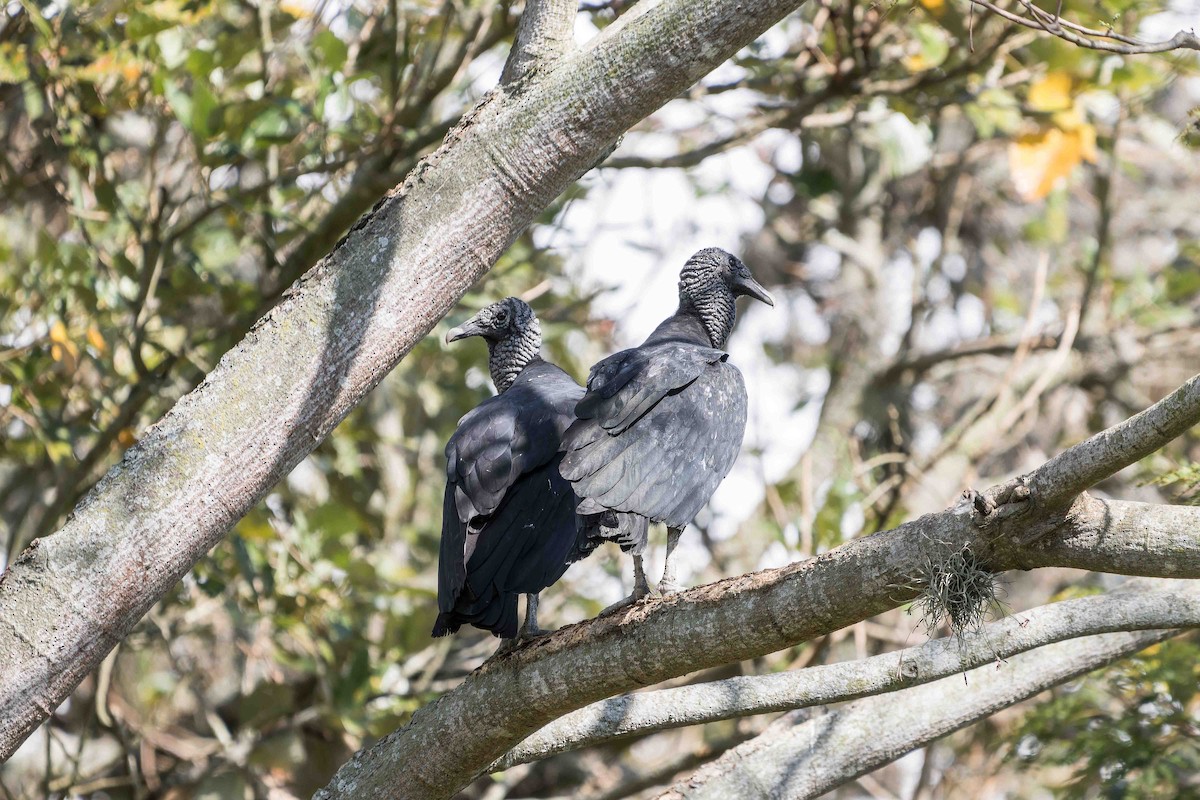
[661, 424]
[509, 524]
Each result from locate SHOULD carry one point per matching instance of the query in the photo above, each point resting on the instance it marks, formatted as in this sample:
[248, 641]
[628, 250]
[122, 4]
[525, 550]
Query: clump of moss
[956, 586]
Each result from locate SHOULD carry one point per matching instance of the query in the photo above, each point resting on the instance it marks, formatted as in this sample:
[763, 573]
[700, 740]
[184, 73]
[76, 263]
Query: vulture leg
[668, 584]
[530, 629]
[641, 588]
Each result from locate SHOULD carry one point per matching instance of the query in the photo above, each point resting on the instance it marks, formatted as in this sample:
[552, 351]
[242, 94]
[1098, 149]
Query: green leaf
[198, 110]
[13, 67]
[934, 44]
[274, 125]
[994, 111]
[355, 678]
[332, 49]
[205, 118]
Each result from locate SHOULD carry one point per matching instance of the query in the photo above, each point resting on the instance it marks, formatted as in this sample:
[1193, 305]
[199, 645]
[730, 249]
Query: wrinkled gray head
[513, 336]
[710, 282]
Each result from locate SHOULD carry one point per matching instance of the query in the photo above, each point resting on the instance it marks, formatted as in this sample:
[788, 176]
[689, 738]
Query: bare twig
[990, 346]
[1072, 471]
[1107, 40]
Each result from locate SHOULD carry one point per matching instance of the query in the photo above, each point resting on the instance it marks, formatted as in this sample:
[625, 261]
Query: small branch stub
[543, 37]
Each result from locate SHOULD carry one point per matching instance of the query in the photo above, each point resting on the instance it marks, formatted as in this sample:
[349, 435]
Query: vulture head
[708, 285]
[499, 321]
[712, 269]
[513, 336]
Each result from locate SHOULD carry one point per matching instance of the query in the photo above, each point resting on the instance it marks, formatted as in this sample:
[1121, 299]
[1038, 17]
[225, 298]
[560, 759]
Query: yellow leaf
[933, 5]
[62, 349]
[1087, 144]
[297, 9]
[1040, 160]
[917, 62]
[108, 67]
[59, 451]
[58, 332]
[1072, 121]
[1051, 93]
[96, 340]
[1069, 119]
[126, 438]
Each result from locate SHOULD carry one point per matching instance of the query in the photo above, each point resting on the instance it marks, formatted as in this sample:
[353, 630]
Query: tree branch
[1115, 536]
[544, 35]
[1140, 605]
[510, 697]
[1089, 38]
[70, 597]
[1066, 475]
[807, 759]
[991, 346]
[690, 158]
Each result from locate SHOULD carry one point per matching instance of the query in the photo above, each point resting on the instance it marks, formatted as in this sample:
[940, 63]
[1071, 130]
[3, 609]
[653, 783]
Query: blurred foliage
[1129, 731]
[1184, 482]
[167, 169]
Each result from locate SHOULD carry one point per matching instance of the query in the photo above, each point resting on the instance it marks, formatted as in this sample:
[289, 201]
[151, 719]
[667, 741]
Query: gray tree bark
[543, 36]
[1139, 605]
[800, 759]
[461, 734]
[70, 597]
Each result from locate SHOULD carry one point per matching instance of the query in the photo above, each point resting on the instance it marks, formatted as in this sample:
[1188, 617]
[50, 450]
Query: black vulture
[509, 524]
[661, 424]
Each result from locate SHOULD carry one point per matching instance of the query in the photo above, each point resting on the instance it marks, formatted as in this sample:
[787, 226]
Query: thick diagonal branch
[1142, 605]
[802, 759]
[509, 698]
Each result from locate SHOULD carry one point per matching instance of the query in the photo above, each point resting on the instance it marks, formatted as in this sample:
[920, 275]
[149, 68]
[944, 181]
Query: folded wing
[657, 431]
[509, 524]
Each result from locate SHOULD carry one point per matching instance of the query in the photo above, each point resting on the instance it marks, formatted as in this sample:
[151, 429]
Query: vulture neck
[508, 356]
[689, 325]
[715, 311]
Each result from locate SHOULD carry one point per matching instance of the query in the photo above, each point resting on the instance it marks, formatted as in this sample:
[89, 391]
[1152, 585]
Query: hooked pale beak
[752, 288]
[469, 328]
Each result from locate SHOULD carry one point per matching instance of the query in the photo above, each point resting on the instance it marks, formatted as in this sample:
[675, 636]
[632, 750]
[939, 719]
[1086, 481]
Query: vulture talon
[641, 589]
[624, 602]
[667, 589]
[508, 646]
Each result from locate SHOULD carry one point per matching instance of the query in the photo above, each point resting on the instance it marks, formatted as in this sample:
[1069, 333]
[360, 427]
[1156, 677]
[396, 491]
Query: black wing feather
[509, 524]
[660, 442]
[626, 385]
